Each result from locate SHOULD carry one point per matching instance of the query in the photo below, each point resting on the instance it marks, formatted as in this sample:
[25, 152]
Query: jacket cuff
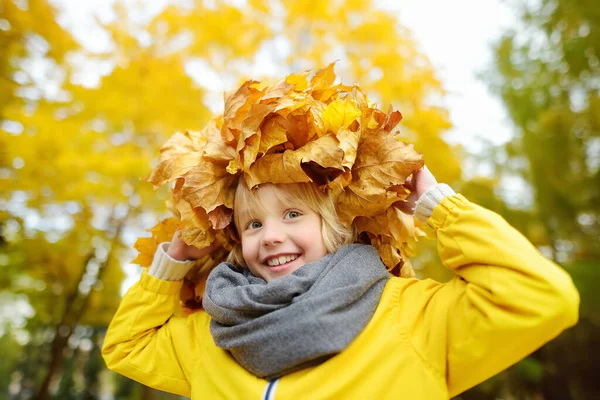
[430, 199]
[166, 267]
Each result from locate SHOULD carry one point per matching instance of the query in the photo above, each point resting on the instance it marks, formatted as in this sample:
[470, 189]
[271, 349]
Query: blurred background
[502, 98]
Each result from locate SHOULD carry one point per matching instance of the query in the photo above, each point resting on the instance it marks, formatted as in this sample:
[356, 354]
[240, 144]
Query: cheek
[248, 250]
[315, 241]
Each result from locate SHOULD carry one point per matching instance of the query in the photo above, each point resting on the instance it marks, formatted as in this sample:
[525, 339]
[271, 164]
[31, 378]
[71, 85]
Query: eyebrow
[245, 216]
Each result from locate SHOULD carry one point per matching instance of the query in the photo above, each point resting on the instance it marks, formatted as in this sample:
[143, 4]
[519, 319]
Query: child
[312, 315]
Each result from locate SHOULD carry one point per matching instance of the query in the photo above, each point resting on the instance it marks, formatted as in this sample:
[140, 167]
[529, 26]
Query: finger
[407, 207]
[195, 252]
[411, 183]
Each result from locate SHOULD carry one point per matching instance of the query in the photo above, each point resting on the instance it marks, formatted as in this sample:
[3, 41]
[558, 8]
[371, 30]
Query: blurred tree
[70, 190]
[26, 28]
[548, 76]
[547, 72]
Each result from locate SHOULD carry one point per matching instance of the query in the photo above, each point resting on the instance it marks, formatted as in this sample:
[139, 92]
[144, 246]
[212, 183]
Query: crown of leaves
[298, 130]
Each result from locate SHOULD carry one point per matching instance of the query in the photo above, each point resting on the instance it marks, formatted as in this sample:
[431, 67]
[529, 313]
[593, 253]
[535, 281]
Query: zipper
[269, 393]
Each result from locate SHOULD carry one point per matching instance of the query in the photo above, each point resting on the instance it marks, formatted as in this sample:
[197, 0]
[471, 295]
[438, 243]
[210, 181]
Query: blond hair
[335, 235]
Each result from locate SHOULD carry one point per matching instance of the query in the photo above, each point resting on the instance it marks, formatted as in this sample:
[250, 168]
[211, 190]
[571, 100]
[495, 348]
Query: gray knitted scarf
[299, 320]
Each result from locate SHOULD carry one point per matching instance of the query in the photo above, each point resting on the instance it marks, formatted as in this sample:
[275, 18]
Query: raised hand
[179, 250]
[418, 183]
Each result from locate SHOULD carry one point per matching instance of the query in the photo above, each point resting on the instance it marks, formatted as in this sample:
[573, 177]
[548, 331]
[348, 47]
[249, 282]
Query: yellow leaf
[401, 226]
[340, 114]
[349, 145]
[161, 232]
[237, 105]
[329, 94]
[216, 149]
[355, 201]
[179, 154]
[198, 237]
[276, 168]
[250, 139]
[272, 133]
[323, 78]
[383, 161]
[277, 91]
[192, 217]
[208, 185]
[298, 165]
[299, 80]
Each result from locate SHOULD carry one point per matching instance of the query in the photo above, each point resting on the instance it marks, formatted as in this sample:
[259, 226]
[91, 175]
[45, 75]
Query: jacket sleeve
[506, 300]
[147, 343]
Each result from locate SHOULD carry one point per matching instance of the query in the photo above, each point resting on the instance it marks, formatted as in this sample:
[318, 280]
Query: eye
[293, 214]
[253, 224]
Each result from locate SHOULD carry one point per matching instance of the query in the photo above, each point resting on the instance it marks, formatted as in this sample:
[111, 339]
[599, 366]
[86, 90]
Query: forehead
[263, 200]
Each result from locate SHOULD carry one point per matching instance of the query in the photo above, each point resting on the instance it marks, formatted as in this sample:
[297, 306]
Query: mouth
[280, 262]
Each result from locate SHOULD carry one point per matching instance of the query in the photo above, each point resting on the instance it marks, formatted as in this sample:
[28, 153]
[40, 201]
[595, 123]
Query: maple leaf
[292, 166]
[199, 237]
[340, 114]
[208, 185]
[298, 80]
[216, 149]
[272, 133]
[161, 232]
[178, 155]
[192, 217]
[249, 140]
[348, 142]
[323, 78]
[383, 161]
[220, 217]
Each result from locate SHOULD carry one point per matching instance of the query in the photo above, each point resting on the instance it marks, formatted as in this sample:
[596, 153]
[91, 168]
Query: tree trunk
[62, 333]
[75, 307]
[148, 393]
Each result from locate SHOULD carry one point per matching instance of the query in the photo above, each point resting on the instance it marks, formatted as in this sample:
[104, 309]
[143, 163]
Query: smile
[275, 261]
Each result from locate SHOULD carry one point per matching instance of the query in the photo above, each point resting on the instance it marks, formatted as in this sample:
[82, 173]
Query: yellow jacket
[426, 340]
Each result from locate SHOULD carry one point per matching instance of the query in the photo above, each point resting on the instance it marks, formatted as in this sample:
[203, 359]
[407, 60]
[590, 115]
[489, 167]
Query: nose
[273, 233]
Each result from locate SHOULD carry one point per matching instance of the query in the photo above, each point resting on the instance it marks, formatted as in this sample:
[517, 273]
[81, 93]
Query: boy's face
[280, 238]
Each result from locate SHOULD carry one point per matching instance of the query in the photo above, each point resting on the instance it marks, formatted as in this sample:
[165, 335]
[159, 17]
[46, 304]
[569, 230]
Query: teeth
[273, 262]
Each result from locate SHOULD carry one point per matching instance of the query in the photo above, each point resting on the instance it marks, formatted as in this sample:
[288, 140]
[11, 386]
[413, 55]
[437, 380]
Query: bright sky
[457, 37]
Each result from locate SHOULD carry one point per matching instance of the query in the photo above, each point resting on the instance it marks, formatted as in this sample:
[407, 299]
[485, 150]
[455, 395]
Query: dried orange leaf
[291, 165]
[192, 217]
[354, 202]
[220, 217]
[178, 155]
[161, 232]
[208, 185]
[272, 133]
[383, 161]
[349, 144]
[217, 150]
[198, 237]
